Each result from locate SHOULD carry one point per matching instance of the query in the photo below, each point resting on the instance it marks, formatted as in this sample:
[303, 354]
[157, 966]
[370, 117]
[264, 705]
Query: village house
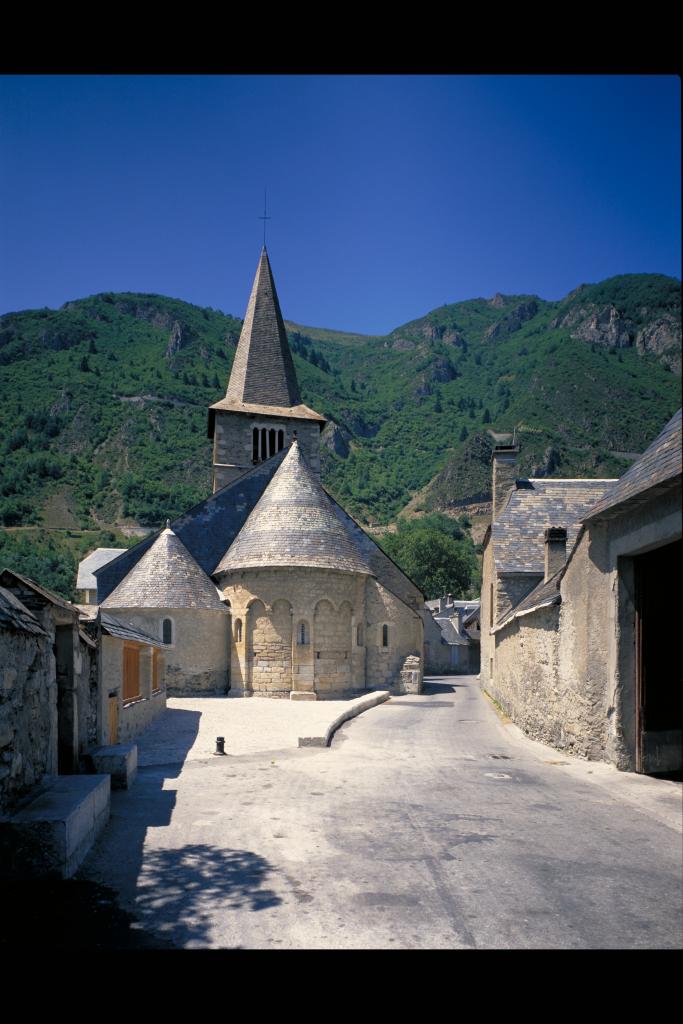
[579, 599]
[452, 637]
[267, 587]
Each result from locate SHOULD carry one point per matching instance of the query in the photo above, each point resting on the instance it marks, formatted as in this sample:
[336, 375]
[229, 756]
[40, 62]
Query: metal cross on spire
[264, 218]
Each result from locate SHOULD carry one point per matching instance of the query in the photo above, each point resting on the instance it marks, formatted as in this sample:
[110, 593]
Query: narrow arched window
[280, 440]
[359, 635]
[302, 636]
[238, 630]
[254, 445]
[271, 443]
[263, 444]
[167, 631]
[385, 636]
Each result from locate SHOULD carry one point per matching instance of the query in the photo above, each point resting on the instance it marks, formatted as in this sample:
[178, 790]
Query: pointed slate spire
[166, 576]
[263, 371]
[293, 524]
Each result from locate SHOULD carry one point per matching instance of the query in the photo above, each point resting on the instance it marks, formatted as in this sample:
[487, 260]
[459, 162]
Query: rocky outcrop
[550, 462]
[177, 339]
[336, 439]
[512, 321]
[662, 338]
[498, 301]
[604, 326]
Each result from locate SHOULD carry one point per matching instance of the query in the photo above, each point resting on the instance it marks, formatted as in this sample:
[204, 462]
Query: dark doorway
[659, 708]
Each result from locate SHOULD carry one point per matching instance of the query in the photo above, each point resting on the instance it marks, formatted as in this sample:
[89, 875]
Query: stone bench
[51, 835]
[120, 761]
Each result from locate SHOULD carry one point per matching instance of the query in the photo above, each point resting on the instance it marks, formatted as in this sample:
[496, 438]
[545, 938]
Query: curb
[356, 706]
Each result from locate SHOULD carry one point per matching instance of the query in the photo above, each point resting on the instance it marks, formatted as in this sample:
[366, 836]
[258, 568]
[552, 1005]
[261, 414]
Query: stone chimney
[555, 550]
[504, 472]
[442, 604]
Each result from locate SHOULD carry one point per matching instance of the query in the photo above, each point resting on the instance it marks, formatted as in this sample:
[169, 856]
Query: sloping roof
[14, 616]
[207, 530]
[299, 412]
[126, 631]
[451, 635]
[541, 596]
[293, 524]
[167, 576]
[473, 615]
[658, 466]
[9, 576]
[96, 559]
[517, 533]
[263, 370]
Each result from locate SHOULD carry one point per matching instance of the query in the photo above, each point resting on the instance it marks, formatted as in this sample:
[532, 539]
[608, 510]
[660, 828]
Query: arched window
[280, 440]
[302, 634]
[271, 443]
[254, 445]
[238, 630]
[167, 631]
[264, 454]
[385, 636]
[359, 634]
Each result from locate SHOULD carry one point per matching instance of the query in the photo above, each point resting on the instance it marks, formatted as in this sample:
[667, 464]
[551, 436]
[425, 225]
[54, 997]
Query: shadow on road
[179, 889]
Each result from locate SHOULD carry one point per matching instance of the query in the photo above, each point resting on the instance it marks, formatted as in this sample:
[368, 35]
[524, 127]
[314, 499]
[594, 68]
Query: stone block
[120, 761]
[303, 695]
[50, 836]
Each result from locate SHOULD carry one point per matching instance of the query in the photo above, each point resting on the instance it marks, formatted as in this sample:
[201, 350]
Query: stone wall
[28, 714]
[437, 654]
[566, 674]
[342, 614]
[233, 442]
[487, 613]
[405, 636]
[269, 646]
[198, 660]
[511, 588]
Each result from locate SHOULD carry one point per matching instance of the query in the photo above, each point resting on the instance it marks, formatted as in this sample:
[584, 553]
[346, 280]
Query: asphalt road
[429, 823]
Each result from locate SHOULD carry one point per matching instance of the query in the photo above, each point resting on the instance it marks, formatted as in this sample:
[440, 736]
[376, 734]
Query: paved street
[429, 823]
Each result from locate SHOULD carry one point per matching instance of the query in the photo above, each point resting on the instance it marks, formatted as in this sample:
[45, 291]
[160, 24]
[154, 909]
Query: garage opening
[659, 708]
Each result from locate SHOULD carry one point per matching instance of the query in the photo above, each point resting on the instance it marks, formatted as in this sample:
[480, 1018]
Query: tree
[437, 563]
[463, 433]
[84, 365]
[486, 418]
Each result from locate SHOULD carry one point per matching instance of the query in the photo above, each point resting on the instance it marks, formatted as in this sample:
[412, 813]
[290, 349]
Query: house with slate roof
[268, 587]
[579, 599]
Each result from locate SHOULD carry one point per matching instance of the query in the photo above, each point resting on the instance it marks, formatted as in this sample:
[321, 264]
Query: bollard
[220, 745]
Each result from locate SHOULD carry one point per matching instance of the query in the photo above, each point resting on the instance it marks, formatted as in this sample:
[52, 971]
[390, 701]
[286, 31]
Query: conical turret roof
[166, 576]
[263, 371]
[293, 524]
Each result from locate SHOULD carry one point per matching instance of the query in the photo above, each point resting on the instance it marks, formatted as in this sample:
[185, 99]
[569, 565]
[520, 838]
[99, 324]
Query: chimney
[504, 472]
[555, 550]
[442, 604]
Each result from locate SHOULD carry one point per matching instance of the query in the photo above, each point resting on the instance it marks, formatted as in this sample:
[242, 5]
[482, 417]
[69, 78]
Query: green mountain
[103, 418]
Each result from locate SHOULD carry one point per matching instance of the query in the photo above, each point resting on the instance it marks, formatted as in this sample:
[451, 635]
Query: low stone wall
[137, 716]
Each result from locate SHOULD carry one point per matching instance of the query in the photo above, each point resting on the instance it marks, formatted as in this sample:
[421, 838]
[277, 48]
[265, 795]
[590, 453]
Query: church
[268, 587]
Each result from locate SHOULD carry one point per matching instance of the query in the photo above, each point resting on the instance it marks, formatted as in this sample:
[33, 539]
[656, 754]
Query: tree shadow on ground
[181, 890]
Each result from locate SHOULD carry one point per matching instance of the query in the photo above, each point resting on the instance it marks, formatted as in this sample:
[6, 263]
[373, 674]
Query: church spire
[263, 371]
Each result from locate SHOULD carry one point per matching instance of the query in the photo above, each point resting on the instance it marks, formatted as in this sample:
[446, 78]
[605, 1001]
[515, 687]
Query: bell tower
[262, 408]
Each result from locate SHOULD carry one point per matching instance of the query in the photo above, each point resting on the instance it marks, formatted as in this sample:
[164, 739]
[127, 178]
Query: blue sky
[389, 195]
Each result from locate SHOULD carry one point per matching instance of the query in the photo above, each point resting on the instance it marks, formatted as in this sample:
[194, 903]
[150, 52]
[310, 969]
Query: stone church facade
[268, 587]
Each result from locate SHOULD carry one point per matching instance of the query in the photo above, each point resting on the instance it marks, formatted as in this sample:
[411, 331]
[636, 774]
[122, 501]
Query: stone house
[307, 603]
[578, 608]
[455, 647]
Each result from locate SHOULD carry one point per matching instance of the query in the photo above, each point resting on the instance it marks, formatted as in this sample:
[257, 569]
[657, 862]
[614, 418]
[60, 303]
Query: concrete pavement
[429, 823]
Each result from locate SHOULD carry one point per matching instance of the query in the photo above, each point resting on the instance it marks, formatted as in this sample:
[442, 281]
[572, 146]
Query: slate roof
[126, 631]
[206, 530]
[263, 371]
[16, 617]
[167, 576]
[9, 576]
[96, 558]
[541, 596]
[293, 524]
[451, 635]
[517, 534]
[657, 467]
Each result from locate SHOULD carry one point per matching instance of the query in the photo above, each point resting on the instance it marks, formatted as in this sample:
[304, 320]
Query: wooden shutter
[131, 672]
